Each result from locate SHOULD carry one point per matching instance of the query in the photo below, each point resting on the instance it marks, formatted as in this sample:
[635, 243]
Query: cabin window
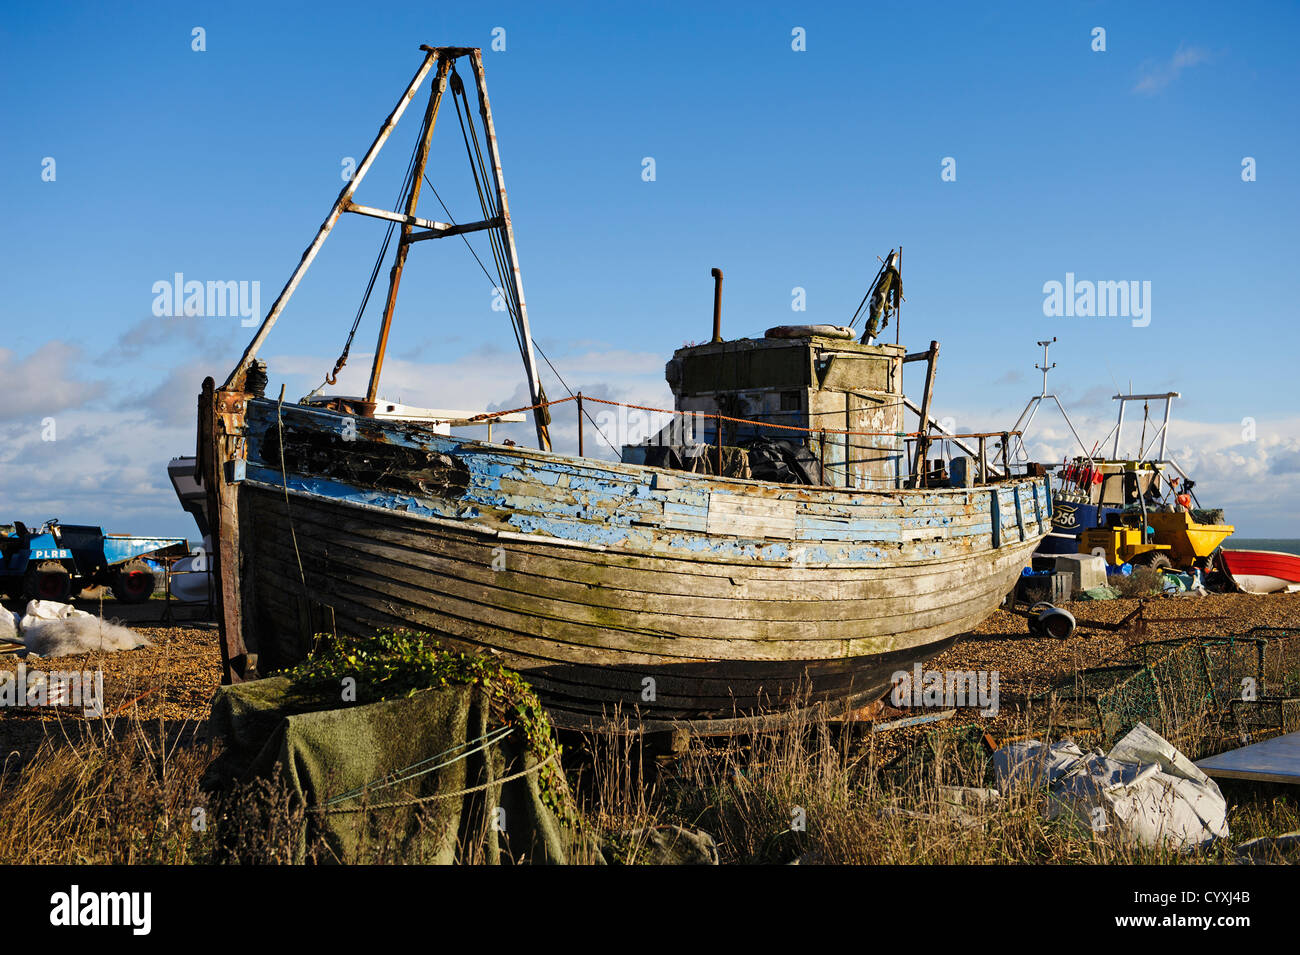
[791, 401]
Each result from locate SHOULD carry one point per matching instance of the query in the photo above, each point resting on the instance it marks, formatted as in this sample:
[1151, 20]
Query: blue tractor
[58, 561]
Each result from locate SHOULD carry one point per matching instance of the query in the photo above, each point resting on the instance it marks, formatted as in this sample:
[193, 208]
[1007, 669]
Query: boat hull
[609, 585]
[1262, 571]
[1069, 520]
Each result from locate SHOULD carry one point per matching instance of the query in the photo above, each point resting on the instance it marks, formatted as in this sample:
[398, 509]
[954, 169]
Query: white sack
[1030, 763]
[41, 611]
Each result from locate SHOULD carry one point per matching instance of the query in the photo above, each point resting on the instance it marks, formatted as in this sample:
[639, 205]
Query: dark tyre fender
[1056, 623]
[48, 580]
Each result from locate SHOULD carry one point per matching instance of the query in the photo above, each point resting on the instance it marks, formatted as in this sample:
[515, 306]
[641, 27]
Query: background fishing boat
[1139, 510]
[783, 537]
[1262, 571]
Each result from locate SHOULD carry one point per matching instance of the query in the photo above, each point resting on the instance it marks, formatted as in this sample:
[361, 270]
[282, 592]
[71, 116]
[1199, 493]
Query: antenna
[1019, 452]
[1045, 367]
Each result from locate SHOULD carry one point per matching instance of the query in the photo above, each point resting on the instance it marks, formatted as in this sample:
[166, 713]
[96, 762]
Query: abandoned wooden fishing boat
[781, 535]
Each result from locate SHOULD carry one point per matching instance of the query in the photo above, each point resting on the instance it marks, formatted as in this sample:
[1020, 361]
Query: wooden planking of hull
[680, 596]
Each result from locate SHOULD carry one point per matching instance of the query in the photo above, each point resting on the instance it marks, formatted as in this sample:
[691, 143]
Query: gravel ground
[1029, 664]
[172, 680]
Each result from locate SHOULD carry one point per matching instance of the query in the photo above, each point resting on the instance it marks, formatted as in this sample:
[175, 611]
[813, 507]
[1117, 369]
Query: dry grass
[1143, 582]
[121, 792]
[109, 793]
[124, 790]
[811, 791]
[816, 792]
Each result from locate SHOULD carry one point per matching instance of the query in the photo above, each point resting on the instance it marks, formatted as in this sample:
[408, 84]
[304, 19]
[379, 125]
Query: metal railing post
[719, 425]
[580, 447]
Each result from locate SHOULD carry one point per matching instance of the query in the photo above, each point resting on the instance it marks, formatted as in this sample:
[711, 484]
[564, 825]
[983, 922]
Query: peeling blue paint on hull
[681, 595]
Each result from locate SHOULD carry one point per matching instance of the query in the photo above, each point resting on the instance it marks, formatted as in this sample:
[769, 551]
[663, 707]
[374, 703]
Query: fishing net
[441, 758]
[1198, 691]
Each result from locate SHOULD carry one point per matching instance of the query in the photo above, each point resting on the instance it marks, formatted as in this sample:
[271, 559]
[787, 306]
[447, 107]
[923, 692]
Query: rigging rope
[489, 205]
[555, 371]
[422, 768]
[420, 800]
[870, 288]
[332, 377]
[284, 481]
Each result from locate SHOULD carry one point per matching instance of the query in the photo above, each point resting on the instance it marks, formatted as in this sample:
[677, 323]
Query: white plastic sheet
[43, 611]
[8, 625]
[1143, 790]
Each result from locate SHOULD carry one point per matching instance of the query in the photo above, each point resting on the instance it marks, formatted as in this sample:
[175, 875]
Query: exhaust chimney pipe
[717, 304]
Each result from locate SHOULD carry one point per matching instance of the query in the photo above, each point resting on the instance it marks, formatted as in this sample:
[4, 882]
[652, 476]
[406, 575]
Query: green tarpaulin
[429, 778]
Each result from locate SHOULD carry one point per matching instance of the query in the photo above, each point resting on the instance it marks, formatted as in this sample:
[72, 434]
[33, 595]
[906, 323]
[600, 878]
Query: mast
[540, 415]
[404, 243]
[444, 58]
[341, 204]
[1027, 416]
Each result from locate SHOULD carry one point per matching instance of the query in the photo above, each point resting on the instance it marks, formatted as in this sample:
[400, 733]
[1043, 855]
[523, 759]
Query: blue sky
[784, 168]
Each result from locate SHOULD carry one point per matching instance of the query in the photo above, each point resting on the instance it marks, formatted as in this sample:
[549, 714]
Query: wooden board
[1275, 760]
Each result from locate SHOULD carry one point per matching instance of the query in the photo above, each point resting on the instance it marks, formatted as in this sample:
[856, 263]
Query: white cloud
[108, 464]
[492, 379]
[1158, 76]
[44, 383]
[104, 467]
[173, 402]
[198, 336]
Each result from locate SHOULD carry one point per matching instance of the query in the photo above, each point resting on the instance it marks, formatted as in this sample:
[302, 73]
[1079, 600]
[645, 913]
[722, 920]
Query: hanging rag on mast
[885, 296]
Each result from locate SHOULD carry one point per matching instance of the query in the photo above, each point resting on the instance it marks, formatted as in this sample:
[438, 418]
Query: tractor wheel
[133, 583]
[49, 580]
[1153, 559]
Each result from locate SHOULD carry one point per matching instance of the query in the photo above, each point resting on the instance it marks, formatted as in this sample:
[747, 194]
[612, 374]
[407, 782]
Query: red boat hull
[1261, 571]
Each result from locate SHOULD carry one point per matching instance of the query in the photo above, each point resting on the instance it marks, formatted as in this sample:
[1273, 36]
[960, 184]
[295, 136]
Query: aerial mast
[1031, 409]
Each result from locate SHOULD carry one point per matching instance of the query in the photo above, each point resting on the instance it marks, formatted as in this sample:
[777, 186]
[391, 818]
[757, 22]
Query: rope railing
[491, 415]
[926, 439]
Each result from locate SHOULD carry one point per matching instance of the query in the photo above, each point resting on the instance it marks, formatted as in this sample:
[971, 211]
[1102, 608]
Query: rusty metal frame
[508, 243]
[408, 220]
[923, 440]
[441, 58]
[221, 410]
[236, 378]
